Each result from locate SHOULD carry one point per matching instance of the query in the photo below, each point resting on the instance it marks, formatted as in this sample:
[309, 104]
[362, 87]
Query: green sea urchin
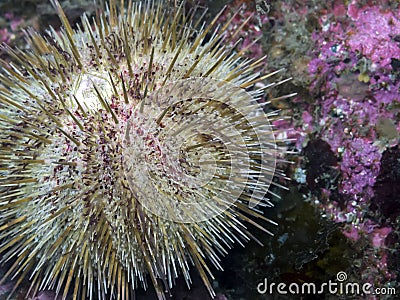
[129, 147]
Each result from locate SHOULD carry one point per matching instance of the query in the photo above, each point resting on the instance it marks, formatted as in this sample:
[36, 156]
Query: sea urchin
[130, 148]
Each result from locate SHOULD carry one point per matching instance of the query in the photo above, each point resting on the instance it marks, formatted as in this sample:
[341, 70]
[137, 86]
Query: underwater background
[341, 213]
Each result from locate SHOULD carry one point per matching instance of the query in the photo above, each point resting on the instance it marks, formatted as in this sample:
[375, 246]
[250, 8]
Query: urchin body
[99, 187]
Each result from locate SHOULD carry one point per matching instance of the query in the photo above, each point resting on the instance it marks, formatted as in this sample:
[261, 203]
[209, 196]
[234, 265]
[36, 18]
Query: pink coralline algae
[7, 34]
[379, 235]
[356, 88]
[360, 167]
[352, 74]
[374, 34]
[346, 115]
